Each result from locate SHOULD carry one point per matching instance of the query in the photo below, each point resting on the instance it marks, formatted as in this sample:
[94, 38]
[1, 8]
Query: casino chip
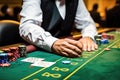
[98, 41]
[22, 50]
[104, 41]
[1, 51]
[66, 62]
[107, 49]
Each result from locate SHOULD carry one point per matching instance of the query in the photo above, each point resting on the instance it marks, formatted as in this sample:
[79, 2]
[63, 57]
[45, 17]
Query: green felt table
[95, 65]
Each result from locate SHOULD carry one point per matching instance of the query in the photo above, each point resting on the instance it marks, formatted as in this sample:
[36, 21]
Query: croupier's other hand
[88, 44]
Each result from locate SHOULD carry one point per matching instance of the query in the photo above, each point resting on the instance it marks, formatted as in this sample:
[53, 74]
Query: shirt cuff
[86, 35]
[47, 44]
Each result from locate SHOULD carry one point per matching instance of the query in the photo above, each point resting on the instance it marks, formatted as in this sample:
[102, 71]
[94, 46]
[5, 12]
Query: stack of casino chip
[104, 41]
[4, 61]
[6, 50]
[98, 36]
[107, 36]
[1, 51]
[104, 36]
[15, 51]
[98, 39]
[22, 50]
[11, 57]
[10, 54]
[111, 37]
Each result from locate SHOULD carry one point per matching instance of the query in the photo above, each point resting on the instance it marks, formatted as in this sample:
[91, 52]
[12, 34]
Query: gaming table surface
[95, 65]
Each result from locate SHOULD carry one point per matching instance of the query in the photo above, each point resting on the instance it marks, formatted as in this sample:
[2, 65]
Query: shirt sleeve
[30, 25]
[84, 22]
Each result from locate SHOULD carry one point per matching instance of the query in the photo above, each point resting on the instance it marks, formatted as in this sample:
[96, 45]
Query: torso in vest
[52, 20]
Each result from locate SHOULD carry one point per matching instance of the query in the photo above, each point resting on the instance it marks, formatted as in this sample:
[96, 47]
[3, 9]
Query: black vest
[52, 20]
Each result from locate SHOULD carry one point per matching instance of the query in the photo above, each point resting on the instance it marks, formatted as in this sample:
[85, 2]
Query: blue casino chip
[104, 41]
[66, 62]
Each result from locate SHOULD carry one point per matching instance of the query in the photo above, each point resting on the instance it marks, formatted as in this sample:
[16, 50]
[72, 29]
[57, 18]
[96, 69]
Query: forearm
[36, 35]
[84, 22]
[30, 25]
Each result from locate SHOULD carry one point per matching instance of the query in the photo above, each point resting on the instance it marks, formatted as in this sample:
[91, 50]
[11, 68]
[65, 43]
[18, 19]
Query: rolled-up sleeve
[84, 21]
[30, 25]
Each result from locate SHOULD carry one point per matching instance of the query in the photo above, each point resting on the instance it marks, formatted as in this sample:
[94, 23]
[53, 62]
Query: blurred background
[97, 8]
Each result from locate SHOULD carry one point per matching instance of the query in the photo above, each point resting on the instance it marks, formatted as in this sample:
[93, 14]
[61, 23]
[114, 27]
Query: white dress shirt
[31, 21]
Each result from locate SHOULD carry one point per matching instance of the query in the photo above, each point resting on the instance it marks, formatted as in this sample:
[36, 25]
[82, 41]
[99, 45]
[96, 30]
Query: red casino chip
[111, 37]
[15, 51]
[5, 64]
[104, 36]
[6, 50]
[11, 57]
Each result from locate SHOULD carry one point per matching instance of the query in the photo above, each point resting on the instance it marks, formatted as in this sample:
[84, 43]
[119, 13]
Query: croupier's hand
[67, 47]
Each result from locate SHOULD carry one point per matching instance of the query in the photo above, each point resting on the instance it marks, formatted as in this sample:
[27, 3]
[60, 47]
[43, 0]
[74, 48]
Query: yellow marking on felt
[78, 60]
[35, 79]
[59, 59]
[38, 71]
[69, 58]
[33, 74]
[60, 69]
[47, 74]
[74, 63]
[88, 61]
[92, 52]
[86, 55]
[115, 46]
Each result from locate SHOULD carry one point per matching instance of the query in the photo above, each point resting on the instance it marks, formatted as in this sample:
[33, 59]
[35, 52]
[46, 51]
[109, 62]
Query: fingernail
[93, 48]
[79, 55]
[89, 49]
[84, 49]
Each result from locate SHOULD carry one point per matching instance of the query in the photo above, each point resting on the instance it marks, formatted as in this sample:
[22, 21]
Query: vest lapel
[56, 18]
[67, 25]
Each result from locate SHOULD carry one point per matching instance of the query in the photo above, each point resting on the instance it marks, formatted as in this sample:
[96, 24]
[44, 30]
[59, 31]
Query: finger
[79, 51]
[84, 46]
[79, 44]
[70, 41]
[92, 47]
[73, 47]
[89, 46]
[96, 46]
[64, 54]
[71, 53]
